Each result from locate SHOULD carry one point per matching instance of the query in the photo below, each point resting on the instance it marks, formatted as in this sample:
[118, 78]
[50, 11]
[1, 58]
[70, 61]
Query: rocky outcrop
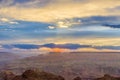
[18, 78]
[36, 75]
[6, 75]
[107, 77]
[41, 75]
[77, 78]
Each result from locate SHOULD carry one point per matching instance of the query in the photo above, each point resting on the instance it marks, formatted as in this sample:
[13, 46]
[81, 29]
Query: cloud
[96, 50]
[6, 20]
[54, 11]
[79, 46]
[108, 47]
[6, 3]
[22, 46]
[51, 47]
[99, 20]
[112, 25]
[51, 27]
[13, 22]
[103, 21]
[65, 46]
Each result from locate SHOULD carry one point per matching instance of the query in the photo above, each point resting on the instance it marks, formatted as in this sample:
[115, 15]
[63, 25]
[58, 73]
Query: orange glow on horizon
[57, 50]
[60, 50]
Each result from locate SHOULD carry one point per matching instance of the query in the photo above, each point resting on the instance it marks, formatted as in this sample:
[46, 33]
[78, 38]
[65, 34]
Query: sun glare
[57, 50]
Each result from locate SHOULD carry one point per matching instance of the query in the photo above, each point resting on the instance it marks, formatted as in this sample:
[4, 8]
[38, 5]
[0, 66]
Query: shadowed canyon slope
[41, 75]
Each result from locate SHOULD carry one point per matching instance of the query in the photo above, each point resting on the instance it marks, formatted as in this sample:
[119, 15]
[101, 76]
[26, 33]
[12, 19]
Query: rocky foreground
[41, 75]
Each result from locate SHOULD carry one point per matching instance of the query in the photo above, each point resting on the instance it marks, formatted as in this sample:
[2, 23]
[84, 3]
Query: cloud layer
[68, 47]
[55, 10]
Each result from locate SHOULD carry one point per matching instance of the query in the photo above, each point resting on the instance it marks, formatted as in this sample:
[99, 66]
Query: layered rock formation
[41, 75]
[30, 75]
[108, 77]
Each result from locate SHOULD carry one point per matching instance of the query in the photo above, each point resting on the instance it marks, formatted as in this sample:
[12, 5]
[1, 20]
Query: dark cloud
[99, 19]
[64, 46]
[35, 3]
[5, 3]
[112, 25]
[50, 45]
[24, 3]
[108, 47]
[21, 46]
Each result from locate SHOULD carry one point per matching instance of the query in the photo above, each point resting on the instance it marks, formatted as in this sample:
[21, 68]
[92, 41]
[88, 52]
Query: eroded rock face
[77, 78]
[36, 75]
[29, 75]
[18, 78]
[108, 77]
[7, 75]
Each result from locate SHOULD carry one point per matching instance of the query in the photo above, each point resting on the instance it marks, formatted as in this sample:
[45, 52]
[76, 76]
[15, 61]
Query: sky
[60, 25]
